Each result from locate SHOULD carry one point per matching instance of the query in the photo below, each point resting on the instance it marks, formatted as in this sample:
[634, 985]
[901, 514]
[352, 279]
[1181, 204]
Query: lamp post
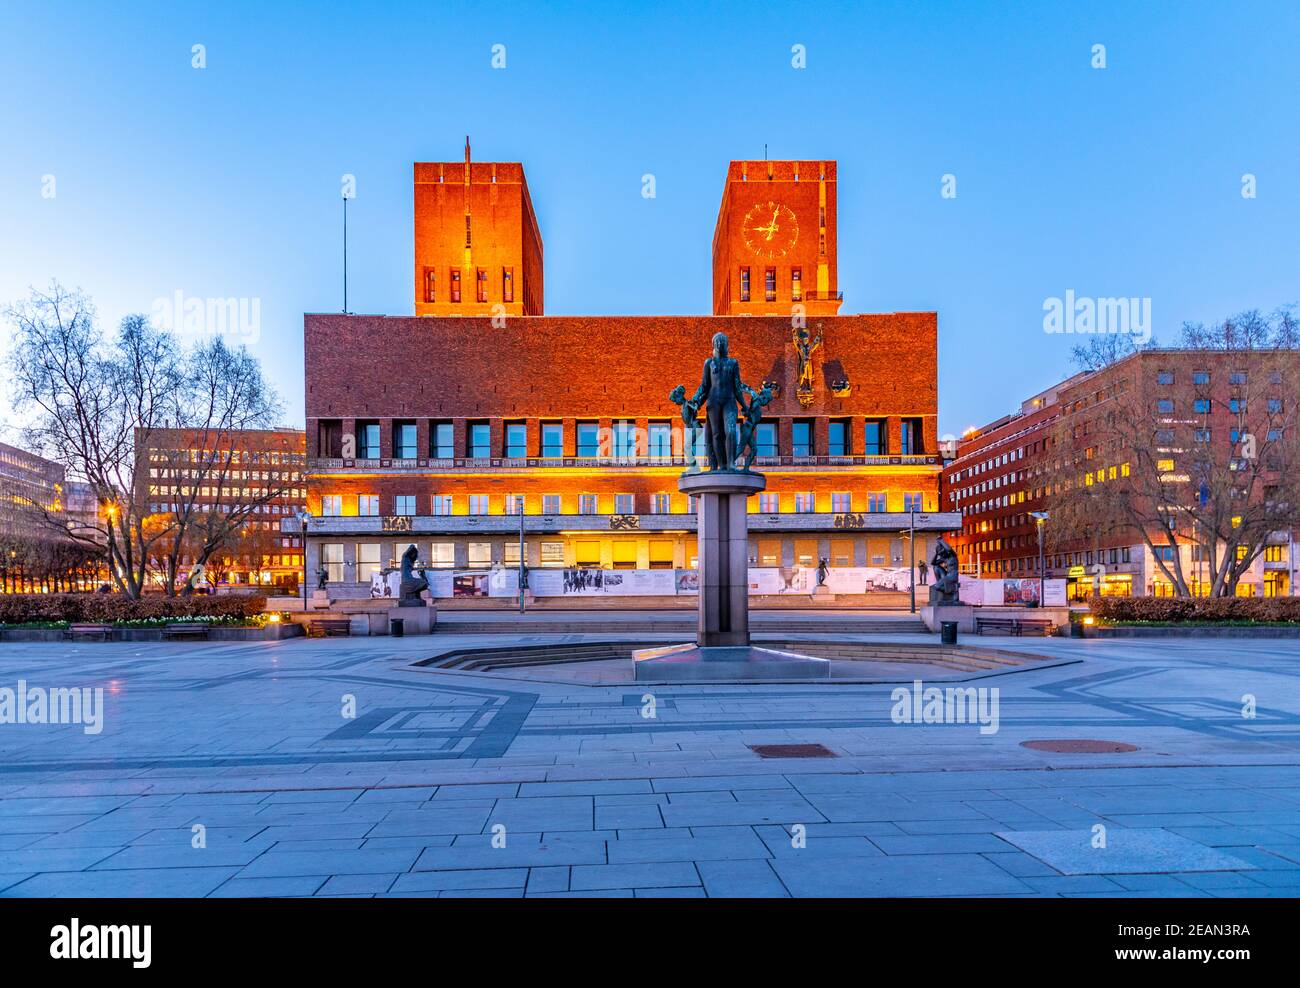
[1040, 518]
[911, 548]
[519, 504]
[304, 517]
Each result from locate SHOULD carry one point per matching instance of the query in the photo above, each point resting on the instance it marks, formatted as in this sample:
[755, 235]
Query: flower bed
[1196, 610]
[94, 608]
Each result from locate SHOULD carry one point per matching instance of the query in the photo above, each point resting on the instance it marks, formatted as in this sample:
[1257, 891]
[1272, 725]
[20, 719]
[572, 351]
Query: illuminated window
[552, 554]
[511, 554]
[455, 284]
[429, 285]
[478, 504]
[507, 284]
[367, 504]
[331, 505]
[479, 553]
[404, 504]
[331, 558]
[367, 560]
[1274, 553]
[769, 284]
[481, 277]
[442, 554]
[796, 284]
[1165, 466]
[769, 552]
[552, 440]
[442, 504]
[744, 284]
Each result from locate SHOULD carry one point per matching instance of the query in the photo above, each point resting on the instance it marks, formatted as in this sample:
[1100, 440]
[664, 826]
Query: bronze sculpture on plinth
[413, 583]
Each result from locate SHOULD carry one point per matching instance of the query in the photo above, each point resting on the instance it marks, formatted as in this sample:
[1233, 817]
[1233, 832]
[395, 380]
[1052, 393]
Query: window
[624, 504]
[661, 554]
[765, 441]
[625, 440]
[367, 440]
[877, 503]
[911, 443]
[1237, 377]
[744, 284]
[455, 284]
[796, 284]
[367, 560]
[1164, 377]
[331, 558]
[331, 505]
[442, 555]
[1165, 553]
[442, 504]
[1201, 378]
[404, 504]
[367, 504]
[1236, 406]
[550, 504]
[1274, 553]
[913, 502]
[875, 438]
[805, 503]
[552, 554]
[588, 439]
[661, 504]
[480, 440]
[769, 284]
[430, 280]
[801, 438]
[507, 284]
[660, 441]
[443, 443]
[1274, 406]
[586, 504]
[478, 504]
[837, 438]
[516, 439]
[841, 502]
[769, 503]
[769, 552]
[514, 504]
[1202, 406]
[479, 553]
[1165, 406]
[623, 554]
[511, 554]
[330, 438]
[553, 440]
[404, 446]
[481, 277]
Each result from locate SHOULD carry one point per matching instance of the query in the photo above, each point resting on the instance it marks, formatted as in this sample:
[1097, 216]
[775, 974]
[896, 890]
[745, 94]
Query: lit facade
[438, 429]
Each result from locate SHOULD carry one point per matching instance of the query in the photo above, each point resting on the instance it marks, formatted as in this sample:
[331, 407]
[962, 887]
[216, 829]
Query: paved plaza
[339, 767]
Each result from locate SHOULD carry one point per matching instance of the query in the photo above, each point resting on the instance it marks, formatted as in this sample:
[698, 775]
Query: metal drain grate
[1080, 746]
[792, 751]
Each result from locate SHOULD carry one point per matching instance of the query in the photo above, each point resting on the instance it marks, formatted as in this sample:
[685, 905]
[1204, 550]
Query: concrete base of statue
[722, 540]
[690, 662]
[320, 599]
[823, 595]
[417, 620]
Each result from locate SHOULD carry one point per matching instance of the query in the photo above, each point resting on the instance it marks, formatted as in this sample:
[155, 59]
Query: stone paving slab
[1075, 852]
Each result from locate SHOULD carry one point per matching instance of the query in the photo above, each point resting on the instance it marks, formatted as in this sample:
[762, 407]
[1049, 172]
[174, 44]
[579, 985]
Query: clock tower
[774, 244]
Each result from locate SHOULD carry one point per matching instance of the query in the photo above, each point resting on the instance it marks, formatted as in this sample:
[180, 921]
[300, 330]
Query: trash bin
[948, 632]
[395, 627]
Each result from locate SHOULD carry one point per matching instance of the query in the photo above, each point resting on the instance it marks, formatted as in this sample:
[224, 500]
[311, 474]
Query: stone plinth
[320, 598]
[722, 537]
[415, 620]
[685, 663]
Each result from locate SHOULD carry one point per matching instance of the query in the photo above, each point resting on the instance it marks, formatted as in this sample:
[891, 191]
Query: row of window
[481, 279]
[1202, 377]
[624, 440]
[804, 502]
[1203, 406]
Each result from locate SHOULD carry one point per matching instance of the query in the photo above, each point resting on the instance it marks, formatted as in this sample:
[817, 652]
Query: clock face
[770, 230]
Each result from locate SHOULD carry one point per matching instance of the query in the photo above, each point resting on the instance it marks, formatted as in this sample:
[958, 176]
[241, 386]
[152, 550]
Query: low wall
[966, 614]
[270, 632]
[1191, 631]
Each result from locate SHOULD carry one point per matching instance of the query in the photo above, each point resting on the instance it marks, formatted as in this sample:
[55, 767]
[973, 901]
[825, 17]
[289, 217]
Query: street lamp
[304, 517]
[1040, 519]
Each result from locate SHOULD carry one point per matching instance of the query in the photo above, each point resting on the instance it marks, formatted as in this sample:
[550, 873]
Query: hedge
[106, 608]
[1172, 610]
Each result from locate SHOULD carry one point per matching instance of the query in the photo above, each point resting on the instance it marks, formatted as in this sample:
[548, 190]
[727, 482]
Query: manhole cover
[792, 751]
[1079, 746]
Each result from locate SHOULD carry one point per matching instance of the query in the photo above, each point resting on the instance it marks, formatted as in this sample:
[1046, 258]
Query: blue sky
[1122, 181]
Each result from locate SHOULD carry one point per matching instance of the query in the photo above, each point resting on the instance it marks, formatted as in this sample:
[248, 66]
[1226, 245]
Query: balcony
[471, 464]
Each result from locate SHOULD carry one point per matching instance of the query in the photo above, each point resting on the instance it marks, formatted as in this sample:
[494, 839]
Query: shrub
[106, 608]
[1172, 610]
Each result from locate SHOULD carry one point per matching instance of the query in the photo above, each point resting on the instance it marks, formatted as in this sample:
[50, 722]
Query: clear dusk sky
[225, 181]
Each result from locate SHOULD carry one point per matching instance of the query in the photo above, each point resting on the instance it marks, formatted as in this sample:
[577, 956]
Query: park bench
[1006, 626]
[101, 632]
[1037, 626]
[331, 627]
[184, 629]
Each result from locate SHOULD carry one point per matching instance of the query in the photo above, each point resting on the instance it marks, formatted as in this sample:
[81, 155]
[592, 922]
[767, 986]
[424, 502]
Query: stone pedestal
[415, 620]
[722, 537]
[722, 650]
[320, 599]
[823, 595]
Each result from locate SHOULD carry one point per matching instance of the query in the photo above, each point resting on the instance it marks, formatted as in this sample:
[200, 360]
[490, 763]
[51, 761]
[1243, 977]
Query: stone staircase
[558, 625]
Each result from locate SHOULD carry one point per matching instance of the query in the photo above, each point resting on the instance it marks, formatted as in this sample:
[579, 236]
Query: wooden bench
[331, 628]
[1008, 626]
[102, 632]
[1037, 626]
[183, 629]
